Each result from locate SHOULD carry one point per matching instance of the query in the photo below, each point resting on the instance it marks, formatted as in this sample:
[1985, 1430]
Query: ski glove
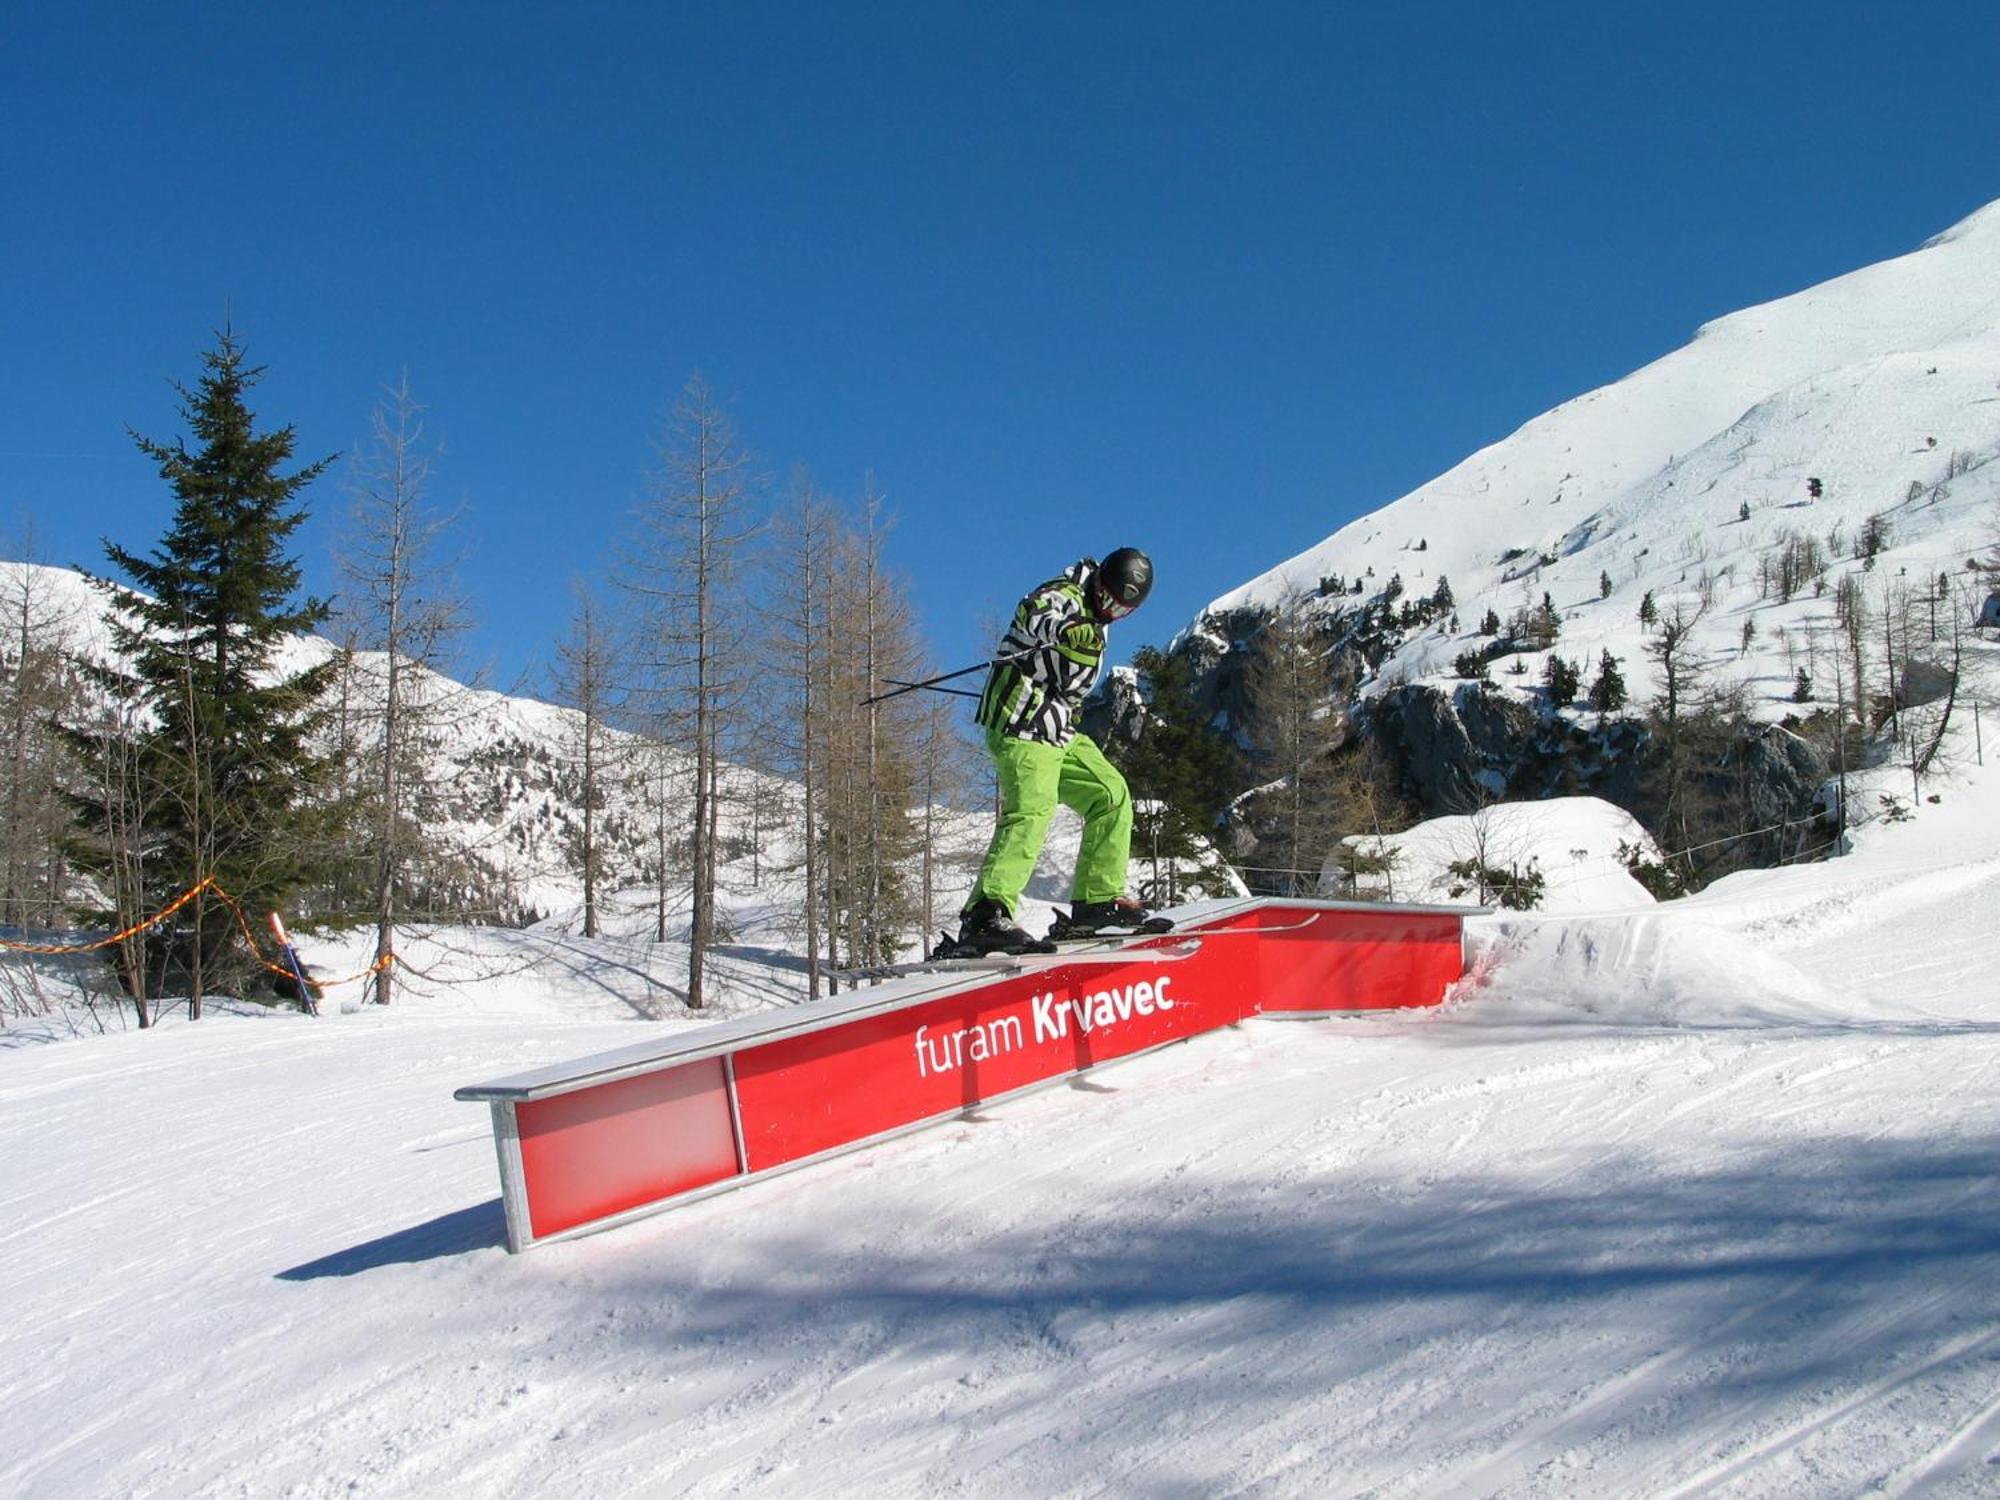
[1084, 638]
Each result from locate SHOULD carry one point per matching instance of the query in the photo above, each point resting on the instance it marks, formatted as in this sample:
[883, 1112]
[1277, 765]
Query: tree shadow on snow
[612, 976]
[481, 1227]
[770, 958]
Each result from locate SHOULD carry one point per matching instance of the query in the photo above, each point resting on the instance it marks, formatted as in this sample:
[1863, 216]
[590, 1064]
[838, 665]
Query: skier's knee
[1115, 806]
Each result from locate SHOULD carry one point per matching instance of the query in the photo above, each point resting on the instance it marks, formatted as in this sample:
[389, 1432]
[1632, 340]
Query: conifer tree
[798, 643]
[1607, 689]
[873, 764]
[1543, 624]
[1561, 677]
[1294, 730]
[225, 743]
[1182, 770]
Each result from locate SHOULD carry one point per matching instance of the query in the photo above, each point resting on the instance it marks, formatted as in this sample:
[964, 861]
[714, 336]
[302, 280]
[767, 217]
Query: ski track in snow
[1692, 1199]
[1474, 1251]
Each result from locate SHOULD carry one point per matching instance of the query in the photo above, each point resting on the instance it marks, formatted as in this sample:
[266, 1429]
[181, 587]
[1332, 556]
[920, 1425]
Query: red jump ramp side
[604, 1139]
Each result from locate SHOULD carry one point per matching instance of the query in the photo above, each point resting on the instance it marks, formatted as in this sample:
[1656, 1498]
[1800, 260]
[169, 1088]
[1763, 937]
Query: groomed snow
[1677, 1199]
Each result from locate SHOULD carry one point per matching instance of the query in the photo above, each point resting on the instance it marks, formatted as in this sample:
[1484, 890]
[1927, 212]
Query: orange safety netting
[242, 922]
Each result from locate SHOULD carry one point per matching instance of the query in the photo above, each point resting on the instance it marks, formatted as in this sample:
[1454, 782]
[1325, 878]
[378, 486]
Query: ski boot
[985, 927]
[1123, 917]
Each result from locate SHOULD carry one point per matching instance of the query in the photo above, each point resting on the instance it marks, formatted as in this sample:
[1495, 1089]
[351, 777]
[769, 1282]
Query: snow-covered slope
[1690, 1199]
[1884, 385]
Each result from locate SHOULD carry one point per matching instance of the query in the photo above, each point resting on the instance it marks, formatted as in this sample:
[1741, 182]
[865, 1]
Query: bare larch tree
[686, 572]
[402, 616]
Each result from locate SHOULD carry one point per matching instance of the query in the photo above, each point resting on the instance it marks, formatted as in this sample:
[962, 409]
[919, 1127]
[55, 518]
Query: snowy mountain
[1743, 477]
[1883, 384]
[501, 790]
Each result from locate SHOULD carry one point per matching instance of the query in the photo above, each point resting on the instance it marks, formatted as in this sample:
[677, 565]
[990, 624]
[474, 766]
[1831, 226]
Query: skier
[1046, 665]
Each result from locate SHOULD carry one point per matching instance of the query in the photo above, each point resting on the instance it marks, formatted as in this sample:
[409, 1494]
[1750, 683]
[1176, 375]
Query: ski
[1075, 949]
[1055, 955]
[1063, 932]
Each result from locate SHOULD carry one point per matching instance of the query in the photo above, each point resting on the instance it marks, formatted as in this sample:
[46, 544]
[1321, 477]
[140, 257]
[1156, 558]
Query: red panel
[1356, 960]
[602, 1150]
[597, 1152]
[810, 1093]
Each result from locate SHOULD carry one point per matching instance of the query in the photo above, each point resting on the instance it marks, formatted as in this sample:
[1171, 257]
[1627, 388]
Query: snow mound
[1640, 969]
[1572, 841]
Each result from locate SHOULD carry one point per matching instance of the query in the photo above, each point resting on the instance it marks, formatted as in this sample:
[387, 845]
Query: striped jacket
[1049, 661]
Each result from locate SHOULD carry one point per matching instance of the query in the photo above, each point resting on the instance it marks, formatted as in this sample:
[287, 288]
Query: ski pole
[931, 682]
[913, 686]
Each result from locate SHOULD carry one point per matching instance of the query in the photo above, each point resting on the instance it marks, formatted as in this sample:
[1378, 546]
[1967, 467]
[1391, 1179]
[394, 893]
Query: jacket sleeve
[1047, 613]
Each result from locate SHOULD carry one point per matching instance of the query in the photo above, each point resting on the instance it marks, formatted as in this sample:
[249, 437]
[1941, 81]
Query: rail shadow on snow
[481, 1227]
[1819, 1264]
[1848, 1216]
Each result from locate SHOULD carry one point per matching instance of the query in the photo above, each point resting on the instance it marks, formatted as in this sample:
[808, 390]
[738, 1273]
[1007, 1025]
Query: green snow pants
[1033, 778]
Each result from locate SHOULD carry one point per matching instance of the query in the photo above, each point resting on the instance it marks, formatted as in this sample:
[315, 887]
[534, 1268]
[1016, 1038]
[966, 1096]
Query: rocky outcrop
[1757, 784]
[1461, 745]
[1464, 746]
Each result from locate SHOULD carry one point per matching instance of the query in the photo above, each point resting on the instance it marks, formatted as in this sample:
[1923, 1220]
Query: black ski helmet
[1121, 583]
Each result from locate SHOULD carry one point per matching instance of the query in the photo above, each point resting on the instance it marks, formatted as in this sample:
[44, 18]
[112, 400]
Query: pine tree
[1544, 624]
[1182, 770]
[1294, 729]
[1874, 538]
[224, 744]
[1562, 679]
[1649, 612]
[1607, 689]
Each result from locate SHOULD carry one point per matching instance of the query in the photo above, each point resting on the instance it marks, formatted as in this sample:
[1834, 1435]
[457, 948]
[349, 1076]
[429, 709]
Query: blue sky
[1209, 280]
